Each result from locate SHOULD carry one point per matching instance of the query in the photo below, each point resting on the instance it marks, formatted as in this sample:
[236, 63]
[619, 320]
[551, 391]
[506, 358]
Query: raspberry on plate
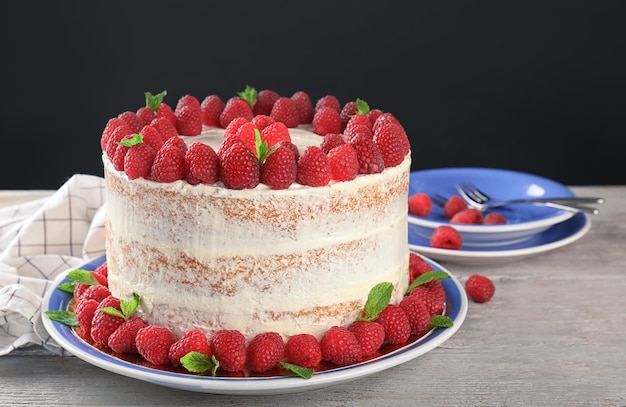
[479, 288]
[420, 204]
[453, 205]
[468, 216]
[494, 218]
[446, 237]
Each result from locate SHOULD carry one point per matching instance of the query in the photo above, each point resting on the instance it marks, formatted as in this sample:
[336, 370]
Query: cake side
[297, 260]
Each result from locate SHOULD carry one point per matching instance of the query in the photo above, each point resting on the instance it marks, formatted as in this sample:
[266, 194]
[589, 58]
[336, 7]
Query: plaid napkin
[39, 240]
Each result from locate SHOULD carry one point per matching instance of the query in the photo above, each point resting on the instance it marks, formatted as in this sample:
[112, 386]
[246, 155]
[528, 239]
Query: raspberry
[469, 216]
[382, 120]
[303, 350]
[396, 324]
[240, 167]
[360, 120]
[235, 107]
[430, 299]
[417, 266]
[153, 343]
[328, 101]
[84, 311]
[326, 121]
[285, 111]
[344, 164]
[211, 108]
[146, 115]
[116, 136]
[152, 137]
[348, 110]
[133, 121]
[103, 324]
[417, 314]
[202, 163]
[370, 335]
[340, 346]
[193, 340]
[122, 340]
[247, 134]
[95, 292]
[120, 153]
[261, 121]
[304, 106]
[453, 205]
[280, 168]
[494, 218]
[479, 288]
[169, 163]
[353, 130]
[229, 348]
[274, 133]
[420, 204]
[111, 125]
[330, 141]
[265, 100]
[165, 111]
[233, 126]
[389, 140]
[446, 237]
[373, 115]
[313, 168]
[138, 161]
[369, 156]
[165, 127]
[265, 351]
[103, 270]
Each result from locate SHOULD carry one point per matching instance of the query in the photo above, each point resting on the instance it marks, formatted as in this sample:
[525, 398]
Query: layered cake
[254, 257]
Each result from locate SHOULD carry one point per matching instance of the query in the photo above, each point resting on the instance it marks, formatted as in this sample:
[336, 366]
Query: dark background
[533, 86]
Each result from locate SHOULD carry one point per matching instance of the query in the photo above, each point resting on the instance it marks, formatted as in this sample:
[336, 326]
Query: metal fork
[481, 201]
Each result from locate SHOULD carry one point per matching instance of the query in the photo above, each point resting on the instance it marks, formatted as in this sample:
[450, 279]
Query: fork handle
[570, 207]
[565, 201]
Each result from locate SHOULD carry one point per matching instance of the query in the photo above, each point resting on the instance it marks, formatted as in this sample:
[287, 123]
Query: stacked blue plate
[530, 229]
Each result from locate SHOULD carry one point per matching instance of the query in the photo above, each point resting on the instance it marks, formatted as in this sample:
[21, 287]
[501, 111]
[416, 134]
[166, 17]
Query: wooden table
[553, 335]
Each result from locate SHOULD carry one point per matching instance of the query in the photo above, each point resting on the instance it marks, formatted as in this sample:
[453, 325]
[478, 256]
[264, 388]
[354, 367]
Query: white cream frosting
[296, 260]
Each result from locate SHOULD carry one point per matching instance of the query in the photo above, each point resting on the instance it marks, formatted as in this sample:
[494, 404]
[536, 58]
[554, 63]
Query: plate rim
[67, 339]
[450, 255]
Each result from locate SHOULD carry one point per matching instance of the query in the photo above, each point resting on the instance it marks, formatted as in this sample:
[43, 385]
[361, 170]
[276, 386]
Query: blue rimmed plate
[55, 299]
[523, 220]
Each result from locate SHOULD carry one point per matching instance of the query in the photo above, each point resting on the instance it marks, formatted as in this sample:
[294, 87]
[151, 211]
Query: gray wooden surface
[553, 335]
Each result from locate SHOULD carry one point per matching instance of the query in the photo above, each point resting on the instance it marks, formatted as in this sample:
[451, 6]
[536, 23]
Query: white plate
[58, 300]
[523, 220]
[556, 236]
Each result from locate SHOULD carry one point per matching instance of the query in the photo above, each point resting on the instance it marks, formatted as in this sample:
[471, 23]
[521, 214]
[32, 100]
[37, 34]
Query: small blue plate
[523, 220]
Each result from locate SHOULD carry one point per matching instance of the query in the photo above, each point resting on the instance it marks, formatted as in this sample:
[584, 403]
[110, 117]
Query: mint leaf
[362, 107]
[303, 372]
[67, 287]
[427, 278]
[137, 138]
[198, 362]
[377, 299]
[440, 321]
[249, 95]
[65, 317]
[128, 308]
[83, 277]
[154, 101]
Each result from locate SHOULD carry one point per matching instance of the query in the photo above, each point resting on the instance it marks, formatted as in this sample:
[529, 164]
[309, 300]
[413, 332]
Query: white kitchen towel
[39, 240]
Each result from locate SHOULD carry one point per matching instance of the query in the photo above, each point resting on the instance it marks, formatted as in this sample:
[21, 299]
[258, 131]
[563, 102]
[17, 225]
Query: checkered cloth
[39, 240]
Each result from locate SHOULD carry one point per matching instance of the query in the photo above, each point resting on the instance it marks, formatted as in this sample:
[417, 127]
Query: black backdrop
[533, 86]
